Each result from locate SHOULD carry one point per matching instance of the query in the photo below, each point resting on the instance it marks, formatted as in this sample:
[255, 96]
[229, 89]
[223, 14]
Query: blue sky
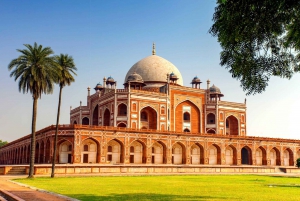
[106, 38]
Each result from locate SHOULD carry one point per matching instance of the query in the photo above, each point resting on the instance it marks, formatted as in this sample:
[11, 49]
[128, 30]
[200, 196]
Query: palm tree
[68, 68]
[37, 72]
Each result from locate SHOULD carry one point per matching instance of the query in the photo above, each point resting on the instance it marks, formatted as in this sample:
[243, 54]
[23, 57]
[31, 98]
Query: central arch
[187, 115]
[148, 118]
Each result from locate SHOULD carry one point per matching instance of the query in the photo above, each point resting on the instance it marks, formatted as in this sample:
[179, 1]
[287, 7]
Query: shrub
[298, 163]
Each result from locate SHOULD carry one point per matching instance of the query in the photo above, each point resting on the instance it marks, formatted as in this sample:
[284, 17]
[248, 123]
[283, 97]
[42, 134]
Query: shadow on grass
[142, 196]
[285, 185]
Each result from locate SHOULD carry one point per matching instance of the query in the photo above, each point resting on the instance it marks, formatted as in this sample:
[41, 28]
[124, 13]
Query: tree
[68, 68]
[2, 143]
[36, 72]
[298, 163]
[259, 39]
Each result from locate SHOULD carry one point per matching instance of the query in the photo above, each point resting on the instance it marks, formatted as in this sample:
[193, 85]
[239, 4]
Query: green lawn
[197, 187]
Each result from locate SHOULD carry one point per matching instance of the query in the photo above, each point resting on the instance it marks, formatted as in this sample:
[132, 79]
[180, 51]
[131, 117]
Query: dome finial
[153, 49]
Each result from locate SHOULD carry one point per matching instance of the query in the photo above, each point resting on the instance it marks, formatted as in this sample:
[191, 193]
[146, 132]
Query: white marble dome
[154, 70]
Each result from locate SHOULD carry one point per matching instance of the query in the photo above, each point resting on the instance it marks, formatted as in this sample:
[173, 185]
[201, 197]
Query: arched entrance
[47, 152]
[230, 155]
[197, 153]
[96, 116]
[89, 151]
[187, 115]
[106, 118]
[115, 152]
[232, 127]
[178, 153]
[65, 152]
[246, 156]
[288, 157]
[214, 155]
[274, 156]
[137, 152]
[148, 118]
[158, 151]
[260, 156]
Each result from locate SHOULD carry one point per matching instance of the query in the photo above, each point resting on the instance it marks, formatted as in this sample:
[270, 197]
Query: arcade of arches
[126, 149]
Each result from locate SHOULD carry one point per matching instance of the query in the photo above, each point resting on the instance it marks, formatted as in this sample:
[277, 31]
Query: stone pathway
[9, 189]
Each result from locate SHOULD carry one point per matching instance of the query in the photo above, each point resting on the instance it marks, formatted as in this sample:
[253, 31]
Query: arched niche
[65, 152]
[148, 118]
[178, 154]
[230, 155]
[85, 121]
[106, 117]
[260, 156]
[122, 110]
[214, 155]
[232, 127]
[197, 154]
[137, 152]
[96, 116]
[246, 155]
[89, 151]
[275, 157]
[115, 152]
[211, 119]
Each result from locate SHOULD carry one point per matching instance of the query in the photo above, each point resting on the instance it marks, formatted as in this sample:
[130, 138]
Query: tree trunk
[32, 147]
[56, 133]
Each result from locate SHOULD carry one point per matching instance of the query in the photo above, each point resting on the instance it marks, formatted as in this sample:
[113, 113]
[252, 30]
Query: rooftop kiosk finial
[153, 49]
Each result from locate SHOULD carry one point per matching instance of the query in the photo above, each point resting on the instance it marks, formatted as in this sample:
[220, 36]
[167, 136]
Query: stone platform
[69, 169]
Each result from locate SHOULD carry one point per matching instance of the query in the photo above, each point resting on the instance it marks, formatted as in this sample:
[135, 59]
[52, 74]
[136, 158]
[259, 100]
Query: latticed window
[109, 148]
[186, 117]
[86, 147]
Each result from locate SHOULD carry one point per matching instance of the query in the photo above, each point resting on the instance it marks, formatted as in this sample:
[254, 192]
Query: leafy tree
[36, 72]
[68, 68]
[2, 143]
[259, 39]
[298, 163]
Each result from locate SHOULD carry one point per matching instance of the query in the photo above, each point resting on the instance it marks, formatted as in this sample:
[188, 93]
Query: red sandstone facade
[155, 120]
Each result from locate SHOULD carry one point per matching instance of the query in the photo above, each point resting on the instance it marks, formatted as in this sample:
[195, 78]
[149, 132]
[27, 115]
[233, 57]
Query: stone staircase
[17, 171]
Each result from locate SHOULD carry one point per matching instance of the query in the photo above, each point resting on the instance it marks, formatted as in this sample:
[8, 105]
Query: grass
[197, 187]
